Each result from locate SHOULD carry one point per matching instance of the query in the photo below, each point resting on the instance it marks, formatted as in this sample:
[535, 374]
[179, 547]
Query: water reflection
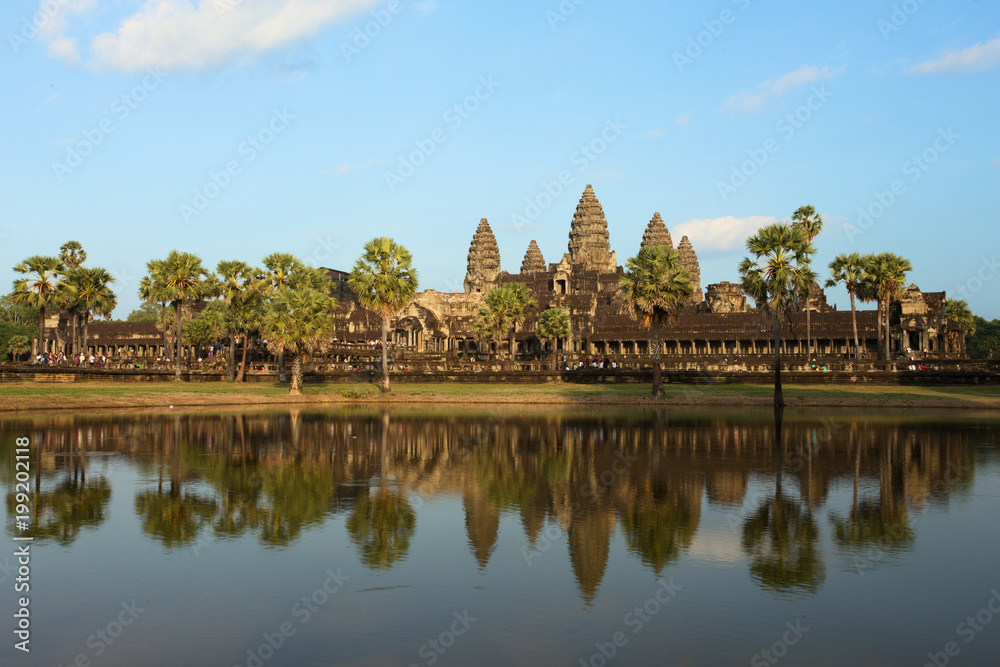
[572, 481]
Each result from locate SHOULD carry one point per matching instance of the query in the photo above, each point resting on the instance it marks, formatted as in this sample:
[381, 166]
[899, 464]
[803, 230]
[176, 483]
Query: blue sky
[235, 128]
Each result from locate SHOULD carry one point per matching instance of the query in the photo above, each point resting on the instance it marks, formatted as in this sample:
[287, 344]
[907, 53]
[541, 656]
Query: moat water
[447, 537]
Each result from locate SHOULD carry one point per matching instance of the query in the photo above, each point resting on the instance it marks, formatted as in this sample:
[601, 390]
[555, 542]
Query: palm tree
[957, 311]
[296, 322]
[18, 346]
[552, 325]
[72, 256]
[519, 300]
[185, 281]
[653, 290]
[808, 220]
[93, 295]
[886, 273]
[153, 290]
[777, 278]
[235, 282]
[385, 282]
[279, 267]
[849, 269]
[489, 325]
[42, 287]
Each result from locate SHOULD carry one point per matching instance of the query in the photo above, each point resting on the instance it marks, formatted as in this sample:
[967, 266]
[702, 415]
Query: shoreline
[20, 398]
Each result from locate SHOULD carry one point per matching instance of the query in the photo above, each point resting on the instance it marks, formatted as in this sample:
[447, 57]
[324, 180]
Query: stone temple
[717, 322]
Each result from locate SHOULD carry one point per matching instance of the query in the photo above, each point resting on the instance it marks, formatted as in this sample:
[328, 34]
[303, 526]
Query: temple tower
[589, 244]
[533, 261]
[656, 233]
[689, 261]
[484, 260]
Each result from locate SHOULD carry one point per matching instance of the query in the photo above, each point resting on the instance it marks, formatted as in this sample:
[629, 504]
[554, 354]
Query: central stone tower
[589, 241]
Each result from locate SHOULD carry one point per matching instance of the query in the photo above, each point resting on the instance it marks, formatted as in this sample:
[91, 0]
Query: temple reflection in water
[573, 481]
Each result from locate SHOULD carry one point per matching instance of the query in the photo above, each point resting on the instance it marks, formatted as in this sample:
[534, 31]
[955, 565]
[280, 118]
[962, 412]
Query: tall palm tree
[42, 287]
[520, 300]
[93, 295]
[887, 275]
[72, 256]
[489, 325]
[653, 290]
[153, 290]
[385, 282]
[776, 278]
[278, 270]
[849, 269]
[296, 322]
[553, 324]
[957, 311]
[185, 281]
[235, 285]
[808, 220]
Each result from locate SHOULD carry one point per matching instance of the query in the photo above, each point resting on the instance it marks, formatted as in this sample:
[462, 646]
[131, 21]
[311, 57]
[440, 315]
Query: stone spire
[689, 261]
[656, 233]
[589, 246]
[484, 260]
[533, 260]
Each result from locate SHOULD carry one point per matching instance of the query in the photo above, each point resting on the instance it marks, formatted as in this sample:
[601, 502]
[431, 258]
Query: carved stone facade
[533, 261]
[725, 297]
[484, 260]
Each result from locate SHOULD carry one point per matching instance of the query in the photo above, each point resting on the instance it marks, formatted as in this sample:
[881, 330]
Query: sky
[236, 128]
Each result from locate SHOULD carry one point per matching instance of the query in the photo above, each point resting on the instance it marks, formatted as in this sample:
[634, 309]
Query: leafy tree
[237, 283]
[18, 346]
[147, 312]
[153, 291]
[886, 275]
[777, 278]
[72, 255]
[984, 342]
[296, 322]
[385, 281]
[488, 325]
[381, 527]
[849, 269]
[809, 221]
[653, 290]
[185, 281]
[92, 288]
[553, 324]
[41, 288]
[957, 311]
[209, 325]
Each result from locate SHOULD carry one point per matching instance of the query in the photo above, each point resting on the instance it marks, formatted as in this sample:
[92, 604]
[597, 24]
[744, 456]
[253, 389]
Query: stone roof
[484, 257]
[533, 260]
[689, 260]
[656, 233]
[589, 241]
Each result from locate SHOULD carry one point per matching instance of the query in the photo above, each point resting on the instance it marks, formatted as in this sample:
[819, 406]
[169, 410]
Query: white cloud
[655, 134]
[747, 101]
[426, 5]
[978, 57]
[65, 142]
[659, 132]
[682, 119]
[194, 34]
[726, 233]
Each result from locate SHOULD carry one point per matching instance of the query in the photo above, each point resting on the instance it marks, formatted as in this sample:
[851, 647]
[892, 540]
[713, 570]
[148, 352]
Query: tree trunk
[164, 314]
[878, 319]
[86, 332]
[385, 356]
[888, 339]
[555, 359]
[41, 330]
[241, 374]
[808, 332]
[281, 367]
[779, 396]
[296, 389]
[510, 341]
[177, 340]
[854, 323]
[232, 357]
[654, 345]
